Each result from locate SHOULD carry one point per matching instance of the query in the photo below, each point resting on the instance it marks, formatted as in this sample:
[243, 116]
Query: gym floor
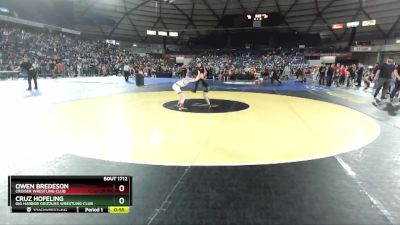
[291, 154]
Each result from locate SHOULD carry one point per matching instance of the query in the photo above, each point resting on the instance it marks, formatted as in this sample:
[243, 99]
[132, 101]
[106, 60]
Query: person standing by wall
[376, 67]
[322, 71]
[59, 69]
[351, 75]
[79, 69]
[126, 72]
[336, 75]
[24, 68]
[286, 73]
[369, 78]
[315, 73]
[384, 76]
[275, 76]
[329, 75]
[397, 83]
[360, 74]
[343, 73]
[52, 66]
[32, 74]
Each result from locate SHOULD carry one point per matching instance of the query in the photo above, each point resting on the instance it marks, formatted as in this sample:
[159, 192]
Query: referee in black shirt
[28, 70]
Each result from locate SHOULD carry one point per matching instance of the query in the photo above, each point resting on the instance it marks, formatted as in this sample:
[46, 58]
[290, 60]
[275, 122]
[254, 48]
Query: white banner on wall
[180, 59]
[315, 62]
[362, 49]
[328, 59]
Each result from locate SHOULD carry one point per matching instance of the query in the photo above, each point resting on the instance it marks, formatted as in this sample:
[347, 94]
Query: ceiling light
[353, 24]
[367, 23]
[173, 34]
[151, 32]
[163, 33]
[337, 26]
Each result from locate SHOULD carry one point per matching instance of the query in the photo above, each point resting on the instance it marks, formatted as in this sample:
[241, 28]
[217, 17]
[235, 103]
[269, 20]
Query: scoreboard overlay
[70, 194]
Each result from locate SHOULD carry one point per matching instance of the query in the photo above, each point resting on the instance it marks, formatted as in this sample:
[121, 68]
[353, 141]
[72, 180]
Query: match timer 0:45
[75, 194]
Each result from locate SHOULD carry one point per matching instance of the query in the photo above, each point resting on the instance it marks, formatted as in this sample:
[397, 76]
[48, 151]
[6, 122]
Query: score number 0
[121, 200]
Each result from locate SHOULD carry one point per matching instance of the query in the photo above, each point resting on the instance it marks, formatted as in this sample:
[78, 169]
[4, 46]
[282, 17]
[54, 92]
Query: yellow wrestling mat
[136, 128]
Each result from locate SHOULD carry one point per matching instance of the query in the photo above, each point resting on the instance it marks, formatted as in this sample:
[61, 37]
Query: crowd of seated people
[61, 55]
[65, 55]
[250, 65]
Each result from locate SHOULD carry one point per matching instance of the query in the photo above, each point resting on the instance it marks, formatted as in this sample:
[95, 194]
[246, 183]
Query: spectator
[32, 74]
[126, 72]
[329, 75]
[360, 74]
[384, 76]
[397, 83]
[322, 72]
